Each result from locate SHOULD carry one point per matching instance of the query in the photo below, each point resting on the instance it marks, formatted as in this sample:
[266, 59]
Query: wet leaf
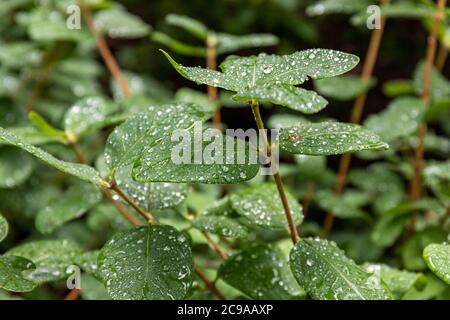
[412, 250]
[51, 257]
[228, 43]
[343, 88]
[398, 281]
[437, 257]
[80, 171]
[194, 27]
[341, 206]
[155, 195]
[72, 204]
[213, 159]
[11, 274]
[324, 271]
[16, 167]
[298, 99]
[261, 205]
[401, 119]
[133, 138]
[222, 226]
[328, 138]
[261, 75]
[117, 23]
[87, 115]
[148, 263]
[260, 272]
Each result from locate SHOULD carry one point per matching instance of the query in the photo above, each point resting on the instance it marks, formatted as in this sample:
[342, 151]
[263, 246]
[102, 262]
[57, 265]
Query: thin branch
[287, 210]
[214, 246]
[211, 63]
[72, 295]
[416, 182]
[123, 211]
[146, 215]
[356, 115]
[104, 50]
[210, 285]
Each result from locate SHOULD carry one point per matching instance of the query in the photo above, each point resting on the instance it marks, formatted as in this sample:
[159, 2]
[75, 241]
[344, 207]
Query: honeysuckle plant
[89, 186]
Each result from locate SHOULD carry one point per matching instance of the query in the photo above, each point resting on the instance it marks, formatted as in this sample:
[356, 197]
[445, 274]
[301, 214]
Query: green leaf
[328, 138]
[440, 86]
[31, 135]
[324, 271]
[398, 281]
[130, 140]
[401, 119]
[4, 228]
[20, 54]
[412, 250]
[222, 226]
[384, 185]
[145, 89]
[325, 7]
[88, 261]
[49, 31]
[51, 257]
[343, 88]
[282, 120]
[71, 205]
[15, 167]
[395, 88]
[341, 206]
[11, 274]
[259, 76]
[39, 122]
[298, 99]
[88, 115]
[437, 257]
[260, 272]
[188, 95]
[199, 156]
[148, 263]
[80, 171]
[228, 43]
[391, 224]
[194, 27]
[118, 23]
[261, 205]
[156, 195]
[178, 46]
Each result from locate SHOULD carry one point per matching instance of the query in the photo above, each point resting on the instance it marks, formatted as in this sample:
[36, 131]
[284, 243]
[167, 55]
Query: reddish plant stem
[278, 181]
[72, 295]
[147, 216]
[214, 246]
[210, 285]
[356, 115]
[416, 181]
[107, 193]
[211, 63]
[105, 52]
